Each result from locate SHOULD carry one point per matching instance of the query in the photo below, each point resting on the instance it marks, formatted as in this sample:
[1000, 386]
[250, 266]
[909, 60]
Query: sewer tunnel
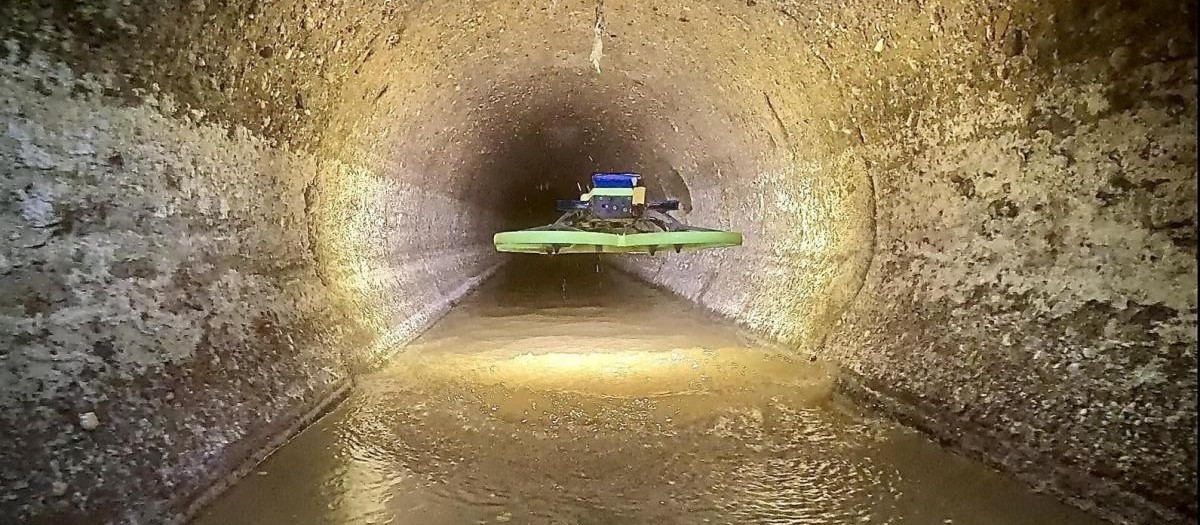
[976, 219]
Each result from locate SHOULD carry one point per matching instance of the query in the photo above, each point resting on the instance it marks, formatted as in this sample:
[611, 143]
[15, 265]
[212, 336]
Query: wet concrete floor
[566, 393]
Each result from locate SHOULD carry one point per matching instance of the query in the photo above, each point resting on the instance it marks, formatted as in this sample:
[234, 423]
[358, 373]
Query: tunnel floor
[565, 392]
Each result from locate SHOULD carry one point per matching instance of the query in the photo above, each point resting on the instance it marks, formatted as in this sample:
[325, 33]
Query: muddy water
[559, 396]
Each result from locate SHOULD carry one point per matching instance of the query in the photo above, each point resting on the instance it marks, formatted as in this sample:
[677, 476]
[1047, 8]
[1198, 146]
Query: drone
[614, 217]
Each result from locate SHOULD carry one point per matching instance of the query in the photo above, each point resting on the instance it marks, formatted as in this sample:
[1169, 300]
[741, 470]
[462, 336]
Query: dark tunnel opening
[542, 143]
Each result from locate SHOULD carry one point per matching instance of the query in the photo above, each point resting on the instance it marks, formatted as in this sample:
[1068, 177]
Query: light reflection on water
[615, 405]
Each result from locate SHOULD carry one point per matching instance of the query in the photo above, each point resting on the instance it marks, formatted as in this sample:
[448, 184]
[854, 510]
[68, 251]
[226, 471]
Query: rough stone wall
[1031, 296]
[177, 294]
[1033, 293]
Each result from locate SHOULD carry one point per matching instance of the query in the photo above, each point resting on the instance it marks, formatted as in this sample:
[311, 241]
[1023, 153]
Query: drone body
[614, 217]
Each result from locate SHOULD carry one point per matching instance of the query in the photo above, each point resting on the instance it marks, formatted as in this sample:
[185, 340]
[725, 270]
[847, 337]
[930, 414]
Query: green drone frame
[574, 241]
[614, 217]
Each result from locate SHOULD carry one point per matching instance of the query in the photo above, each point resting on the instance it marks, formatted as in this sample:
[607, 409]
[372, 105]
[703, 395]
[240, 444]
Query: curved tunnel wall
[984, 213]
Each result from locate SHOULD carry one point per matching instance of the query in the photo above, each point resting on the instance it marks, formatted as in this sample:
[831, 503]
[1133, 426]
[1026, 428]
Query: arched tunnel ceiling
[982, 211]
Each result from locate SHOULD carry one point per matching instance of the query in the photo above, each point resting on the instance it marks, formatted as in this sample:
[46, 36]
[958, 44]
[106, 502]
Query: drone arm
[570, 205]
[667, 205]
